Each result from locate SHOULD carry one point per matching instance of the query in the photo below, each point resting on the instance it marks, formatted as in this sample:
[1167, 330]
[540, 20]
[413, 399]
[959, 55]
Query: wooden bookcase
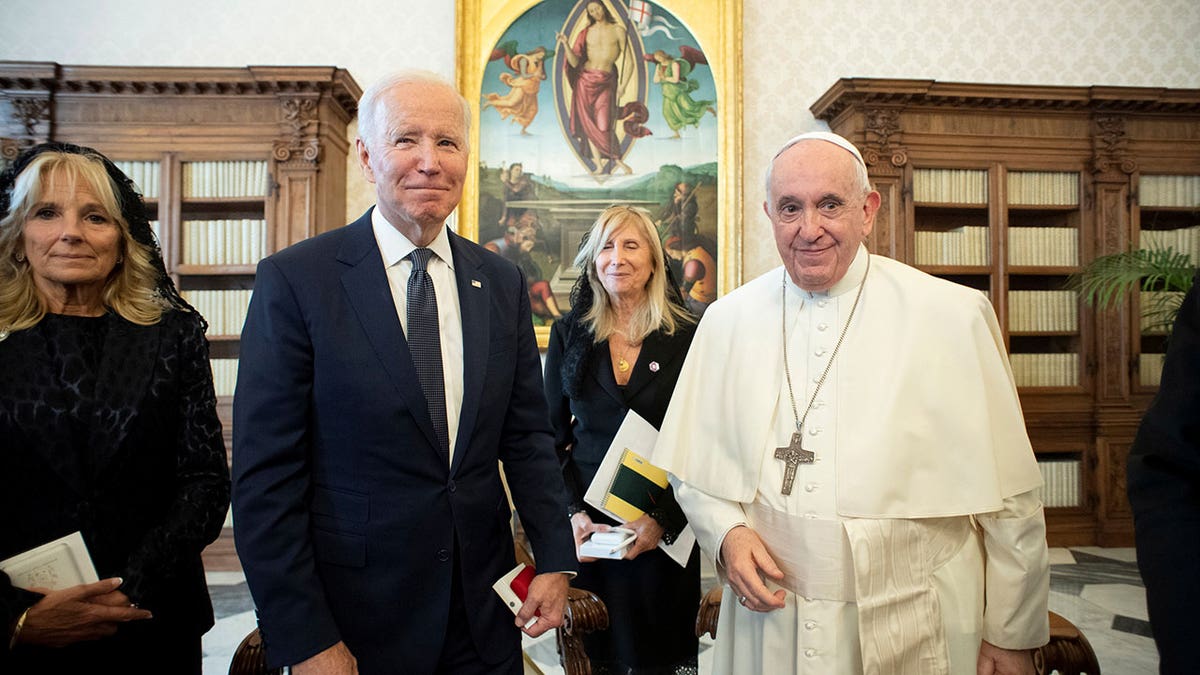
[1168, 217]
[234, 163]
[1009, 189]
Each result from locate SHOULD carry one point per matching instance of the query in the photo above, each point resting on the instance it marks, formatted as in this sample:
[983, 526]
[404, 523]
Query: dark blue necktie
[425, 344]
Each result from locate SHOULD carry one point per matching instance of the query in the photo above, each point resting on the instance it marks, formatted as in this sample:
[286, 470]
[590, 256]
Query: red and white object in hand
[513, 588]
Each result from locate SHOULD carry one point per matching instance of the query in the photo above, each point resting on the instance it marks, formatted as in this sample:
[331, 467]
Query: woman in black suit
[108, 424]
[620, 348]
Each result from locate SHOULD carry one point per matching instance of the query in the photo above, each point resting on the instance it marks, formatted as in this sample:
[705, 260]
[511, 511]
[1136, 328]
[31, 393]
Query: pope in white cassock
[847, 442]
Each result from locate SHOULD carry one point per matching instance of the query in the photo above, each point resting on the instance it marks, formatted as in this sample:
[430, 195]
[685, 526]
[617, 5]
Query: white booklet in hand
[627, 485]
[55, 565]
[611, 544]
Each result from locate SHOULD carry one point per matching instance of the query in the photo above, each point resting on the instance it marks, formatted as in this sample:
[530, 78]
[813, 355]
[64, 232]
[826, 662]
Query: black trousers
[459, 655]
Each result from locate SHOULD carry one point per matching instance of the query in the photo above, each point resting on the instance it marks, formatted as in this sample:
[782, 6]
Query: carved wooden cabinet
[235, 163]
[1009, 189]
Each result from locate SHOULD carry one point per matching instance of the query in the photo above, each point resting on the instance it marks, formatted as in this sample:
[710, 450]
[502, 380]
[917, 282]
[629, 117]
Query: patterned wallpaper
[800, 47]
[803, 47]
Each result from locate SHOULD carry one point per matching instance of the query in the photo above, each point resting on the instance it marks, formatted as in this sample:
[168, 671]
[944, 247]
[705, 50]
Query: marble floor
[1097, 589]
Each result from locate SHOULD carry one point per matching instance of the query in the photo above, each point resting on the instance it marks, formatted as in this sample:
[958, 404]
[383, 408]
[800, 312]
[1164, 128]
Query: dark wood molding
[860, 92]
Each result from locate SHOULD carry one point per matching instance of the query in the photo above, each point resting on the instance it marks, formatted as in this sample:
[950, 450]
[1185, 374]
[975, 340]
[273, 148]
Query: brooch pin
[654, 366]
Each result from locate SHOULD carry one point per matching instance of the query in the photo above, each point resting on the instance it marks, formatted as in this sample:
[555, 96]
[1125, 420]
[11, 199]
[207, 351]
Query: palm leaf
[1109, 279]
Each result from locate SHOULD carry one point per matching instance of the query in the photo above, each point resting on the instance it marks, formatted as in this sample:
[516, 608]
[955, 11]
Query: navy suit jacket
[347, 519]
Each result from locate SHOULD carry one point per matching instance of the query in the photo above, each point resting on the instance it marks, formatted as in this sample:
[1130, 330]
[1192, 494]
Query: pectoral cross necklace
[794, 453]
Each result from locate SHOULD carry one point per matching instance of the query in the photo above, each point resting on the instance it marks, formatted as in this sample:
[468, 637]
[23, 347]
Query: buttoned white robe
[918, 420]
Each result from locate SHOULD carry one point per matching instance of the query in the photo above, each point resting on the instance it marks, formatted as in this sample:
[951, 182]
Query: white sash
[885, 567]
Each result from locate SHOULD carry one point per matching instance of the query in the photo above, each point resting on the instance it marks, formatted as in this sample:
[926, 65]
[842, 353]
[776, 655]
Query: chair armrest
[250, 658]
[710, 611]
[1068, 651]
[585, 613]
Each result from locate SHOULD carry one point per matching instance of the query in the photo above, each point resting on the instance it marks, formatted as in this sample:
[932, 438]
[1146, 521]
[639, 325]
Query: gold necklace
[622, 364]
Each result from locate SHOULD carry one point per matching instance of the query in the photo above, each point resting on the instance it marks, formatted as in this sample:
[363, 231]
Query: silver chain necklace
[794, 453]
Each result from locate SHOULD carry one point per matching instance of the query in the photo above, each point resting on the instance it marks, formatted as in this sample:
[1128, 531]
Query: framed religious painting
[580, 104]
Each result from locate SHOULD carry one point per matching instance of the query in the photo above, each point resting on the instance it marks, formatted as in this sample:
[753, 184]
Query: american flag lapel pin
[477, 283]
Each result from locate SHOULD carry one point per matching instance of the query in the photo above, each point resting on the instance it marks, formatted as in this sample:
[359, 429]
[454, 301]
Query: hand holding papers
[626, 486]
[55, 565]
[77, 606]
[611, 544]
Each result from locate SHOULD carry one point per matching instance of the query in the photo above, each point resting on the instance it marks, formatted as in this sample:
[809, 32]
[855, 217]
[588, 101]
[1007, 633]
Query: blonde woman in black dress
[108, 424]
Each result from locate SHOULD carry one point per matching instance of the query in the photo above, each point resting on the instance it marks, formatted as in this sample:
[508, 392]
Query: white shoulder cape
[929, 423]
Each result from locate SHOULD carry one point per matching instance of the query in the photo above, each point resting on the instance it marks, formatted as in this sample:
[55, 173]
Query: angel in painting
[679, 109]
[520, 104]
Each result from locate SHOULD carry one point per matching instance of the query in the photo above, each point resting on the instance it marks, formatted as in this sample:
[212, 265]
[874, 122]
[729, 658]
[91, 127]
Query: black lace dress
[110, 429]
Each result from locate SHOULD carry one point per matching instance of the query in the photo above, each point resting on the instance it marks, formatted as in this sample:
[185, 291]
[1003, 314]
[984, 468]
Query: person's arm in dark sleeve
[201, 477]
[272, 474]
[561, 419]
[1163, 478]
[527, 451]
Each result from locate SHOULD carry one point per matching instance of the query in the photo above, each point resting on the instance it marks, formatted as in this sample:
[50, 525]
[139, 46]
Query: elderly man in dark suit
[386, 368]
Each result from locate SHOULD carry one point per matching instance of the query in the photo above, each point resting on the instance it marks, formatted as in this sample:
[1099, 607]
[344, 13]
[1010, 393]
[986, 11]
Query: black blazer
[154, 489]
[347, 517]
[585, 425]
[1164, 492]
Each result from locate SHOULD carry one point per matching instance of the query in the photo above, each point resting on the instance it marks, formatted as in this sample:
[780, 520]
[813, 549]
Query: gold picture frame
[522, 46]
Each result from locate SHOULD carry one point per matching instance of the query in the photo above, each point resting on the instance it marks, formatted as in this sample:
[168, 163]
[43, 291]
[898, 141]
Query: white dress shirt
[393, 247]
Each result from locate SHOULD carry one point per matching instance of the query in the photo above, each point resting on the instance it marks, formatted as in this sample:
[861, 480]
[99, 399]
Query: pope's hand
[995, 660]
[746, 561]
[547, 600]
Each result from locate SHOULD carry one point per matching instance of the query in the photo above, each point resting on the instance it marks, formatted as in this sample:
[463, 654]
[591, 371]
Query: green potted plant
[1109, 279]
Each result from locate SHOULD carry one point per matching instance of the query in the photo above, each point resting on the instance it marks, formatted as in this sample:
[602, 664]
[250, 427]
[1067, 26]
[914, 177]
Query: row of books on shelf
[1045, 370]
[224, 242]
[1043, 246]
[950, 186]
[1060, 482]
[145, 175]
[1159, 304]
[1049, 311]
[970, 186]
[224, 375]
[967, 245]
[1184, 240]
[225, 311]
[1150, 367]
[1169, 191]
[225, 179]
[1043, 188]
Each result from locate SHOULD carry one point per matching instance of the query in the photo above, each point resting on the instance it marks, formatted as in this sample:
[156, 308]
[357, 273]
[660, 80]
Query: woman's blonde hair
[130, 288]
[658, 312]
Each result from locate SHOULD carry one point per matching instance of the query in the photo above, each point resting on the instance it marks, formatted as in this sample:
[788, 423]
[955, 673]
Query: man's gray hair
[369, 104]
[862, 180]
